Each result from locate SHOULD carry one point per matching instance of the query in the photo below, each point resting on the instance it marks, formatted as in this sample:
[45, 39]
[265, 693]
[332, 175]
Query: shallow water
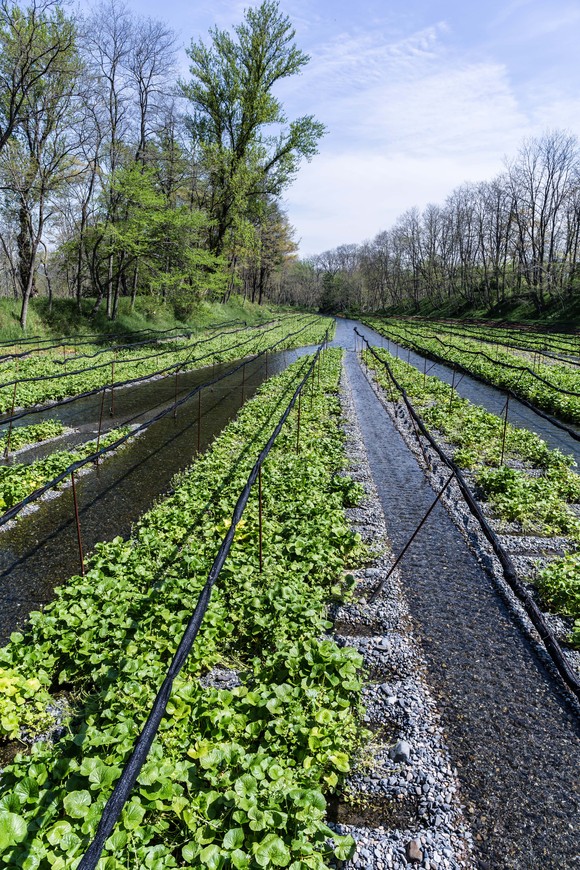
[469, 388]
[511, 730]
[41, 550]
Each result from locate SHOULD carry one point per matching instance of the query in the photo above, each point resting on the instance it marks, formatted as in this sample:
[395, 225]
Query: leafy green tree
[234, 109]
[37, 156]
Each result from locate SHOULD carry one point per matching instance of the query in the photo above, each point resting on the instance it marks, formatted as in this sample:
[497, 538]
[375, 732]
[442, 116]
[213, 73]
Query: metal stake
[199, 421]
[506, 409]
[175, 397]
[7, 449]
[79, 539]
[112, 388]
[298, 426]
[451, 391]
[260, 516]
[100, 422]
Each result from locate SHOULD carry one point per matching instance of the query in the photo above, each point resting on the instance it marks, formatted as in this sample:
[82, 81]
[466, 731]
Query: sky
[418, 96]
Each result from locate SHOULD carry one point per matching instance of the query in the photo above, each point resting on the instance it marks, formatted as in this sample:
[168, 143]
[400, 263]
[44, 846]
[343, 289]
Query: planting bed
[230, 766]
[531, 493]
[553, 388]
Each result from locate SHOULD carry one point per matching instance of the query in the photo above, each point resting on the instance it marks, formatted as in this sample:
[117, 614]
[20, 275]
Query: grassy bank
[65, 319]
[514, 312]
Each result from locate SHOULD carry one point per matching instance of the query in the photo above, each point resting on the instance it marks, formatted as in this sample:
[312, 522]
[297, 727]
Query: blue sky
[417, 97]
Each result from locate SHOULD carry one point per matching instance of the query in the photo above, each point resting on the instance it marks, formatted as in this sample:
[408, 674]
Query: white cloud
[351, 197]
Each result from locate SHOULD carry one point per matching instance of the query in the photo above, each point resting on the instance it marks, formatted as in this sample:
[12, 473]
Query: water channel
[41, 551]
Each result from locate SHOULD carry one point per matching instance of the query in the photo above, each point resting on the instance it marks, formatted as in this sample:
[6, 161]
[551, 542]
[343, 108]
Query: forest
[119, 179]
[512, 239]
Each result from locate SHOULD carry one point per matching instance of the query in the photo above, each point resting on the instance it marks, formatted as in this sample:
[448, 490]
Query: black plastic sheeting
[535, 614]
[126, 781]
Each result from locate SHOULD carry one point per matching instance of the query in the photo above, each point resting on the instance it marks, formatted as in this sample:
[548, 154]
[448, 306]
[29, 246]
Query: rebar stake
[175, 397]
[79, 539]
[100, 422]
[451, 391]
[199, 421]
[112, 411]
[298, 426]
[9, 438]
[505, 421]
[260, 516]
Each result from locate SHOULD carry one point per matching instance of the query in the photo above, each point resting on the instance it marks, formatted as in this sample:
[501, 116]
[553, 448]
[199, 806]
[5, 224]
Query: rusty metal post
[260, 516]
[298, 426]
[451, 391]
[79, 538]
[175, 397]
[112, 388]
[199, 421]
[100, 421]
[7, 449]
[505, 421]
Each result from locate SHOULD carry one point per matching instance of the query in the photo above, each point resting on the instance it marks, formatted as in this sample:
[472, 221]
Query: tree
[233, 105]
[37, 158]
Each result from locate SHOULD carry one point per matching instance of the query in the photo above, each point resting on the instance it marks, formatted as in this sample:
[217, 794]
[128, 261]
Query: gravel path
[511, 731]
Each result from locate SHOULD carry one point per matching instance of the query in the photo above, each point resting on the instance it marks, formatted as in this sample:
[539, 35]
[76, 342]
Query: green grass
[557, 316]
[65, 319]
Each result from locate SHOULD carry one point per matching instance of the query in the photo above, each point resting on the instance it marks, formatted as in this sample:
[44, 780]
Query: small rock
[414, 852]
[401, 751]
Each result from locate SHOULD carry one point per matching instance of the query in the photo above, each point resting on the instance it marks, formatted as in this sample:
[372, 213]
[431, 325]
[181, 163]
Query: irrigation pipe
[94, 457]
[535, 614]
[126, 781]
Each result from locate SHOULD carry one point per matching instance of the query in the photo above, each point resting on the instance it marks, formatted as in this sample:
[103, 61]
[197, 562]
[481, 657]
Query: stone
[401, 751]
[414, 852]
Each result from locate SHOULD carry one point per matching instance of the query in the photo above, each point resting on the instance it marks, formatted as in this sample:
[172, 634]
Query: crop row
[539, 342]
[503, 370]
[219, 348]
[236, 776]
[26, 436]
[523, 480]
[19, 480]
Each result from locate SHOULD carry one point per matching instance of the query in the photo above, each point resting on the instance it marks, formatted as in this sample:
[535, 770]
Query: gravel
[401, 803]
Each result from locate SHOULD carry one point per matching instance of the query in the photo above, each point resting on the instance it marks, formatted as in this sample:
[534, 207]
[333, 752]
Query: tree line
[118, 179]
[514, 237]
